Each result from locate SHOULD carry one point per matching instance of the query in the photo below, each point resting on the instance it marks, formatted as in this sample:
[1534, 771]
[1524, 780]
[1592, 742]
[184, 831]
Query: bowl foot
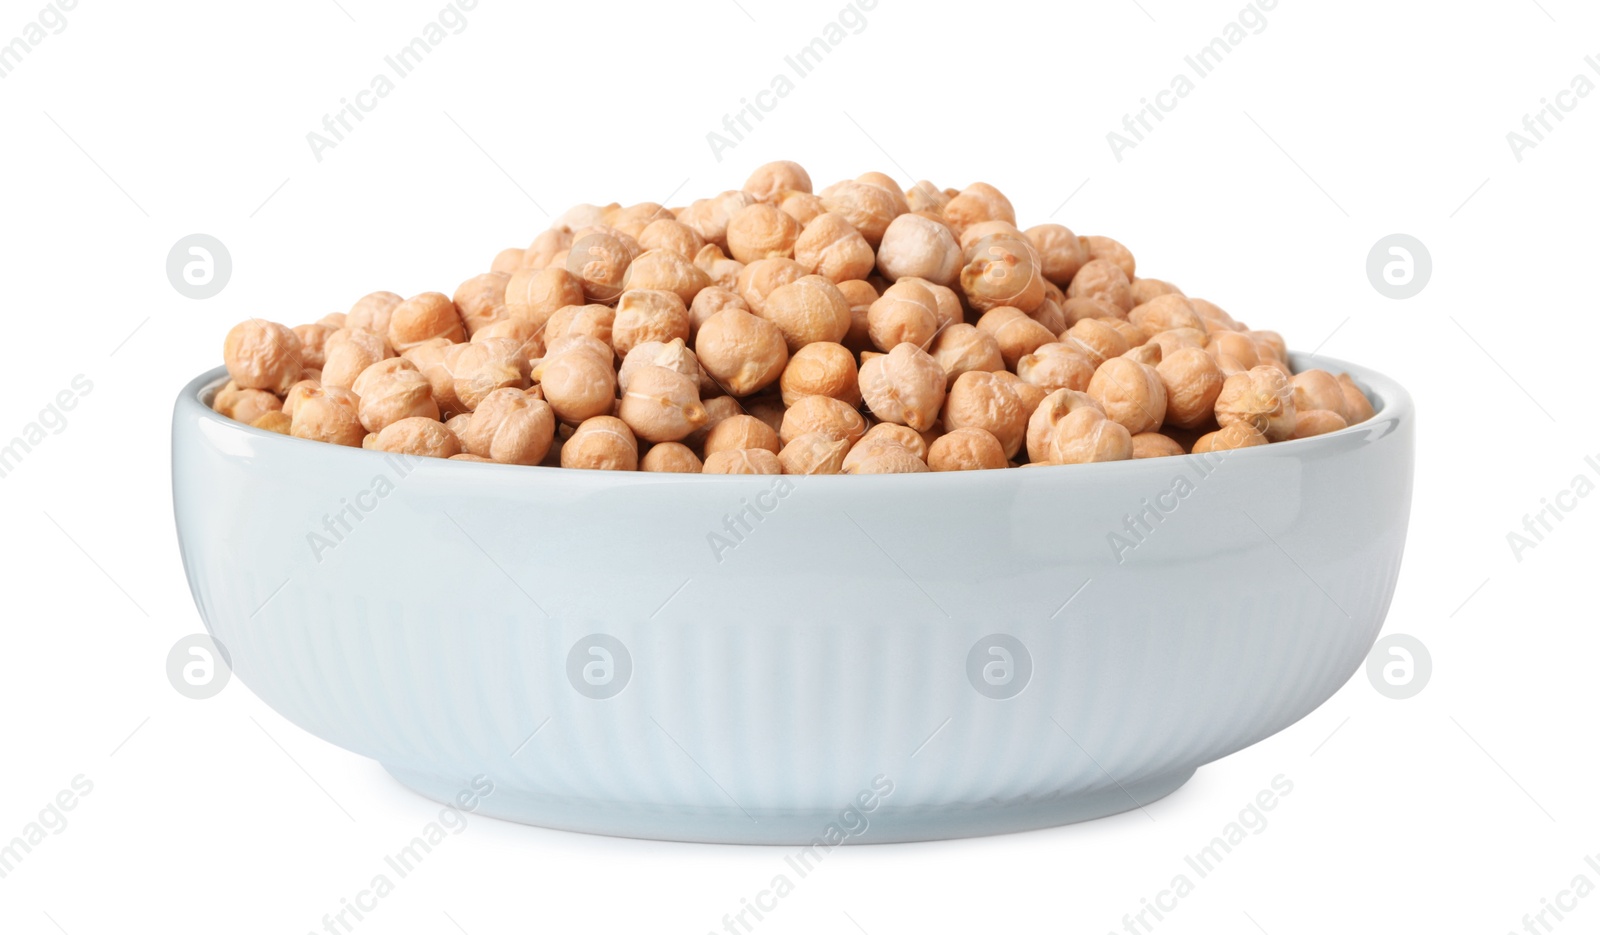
[888, 823]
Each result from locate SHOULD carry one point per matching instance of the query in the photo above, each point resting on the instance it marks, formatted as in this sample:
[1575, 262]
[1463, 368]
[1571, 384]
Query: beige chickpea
[549, 246]
[907, 312]
[809, 309]
[481, 367]
[1098, 338]
[1234, 346]
[1317, 389]
[761, 232]
[422, 317]
[1147, 354]
[763, 277]
[670, 458]
[772, 179]
[1261, 397]
[633, 219]
[709, 217]
[508, 260]
[978, 202]
[578, 382]
[886, 182]
[594, 321]
[1105, 280]
[832, 417]
[802, 206]
[719, 269]
[671, 234]
[395, 395]
[1357, 408]
[961, 348]
[831, 247]
[888, 433]
[914, 245]
[1165, 313]
[1215, 318]
[584, 215]
[884, 459]
[906, 385]
[947, 302]
[926, 196]
[417, 436]
[1229, 437]
[1048, 413]
[458, 424]
[719, 409]
[860, 294]
[329, 414]
[869, 208]
[1175, 339]
[599, 259]
[742, 352]
[250, 405]
[535, 295]
[263, 355]
[1129, 331]
[1271, 342]
[1155, 445]
[739, 433]
[665, 270]
[767, 406]
[602, 443]
[334, 320]
[976, 232]
[1050, 315]
[822, 368]
[1312, 422]
[1002, 269]
[481, 300]
[983, 400]
[275, 420]
[1143, 290]
[708, 302]
[1105, 248]
[661, 405]
[1016, 333]
[1056, 366]
[1078, 308]
[528, 337]
[372, 312]
[1192, 381]
[1030, 395]
[1061, 252]
[966, 449]
[673, 355]
[429, 358]
[648, 315]
[1131, 394]
[1085, 436]
[753, 461]
[363, 383]
[469, 456]
[313, 345]
[814, 453]
[296, 393]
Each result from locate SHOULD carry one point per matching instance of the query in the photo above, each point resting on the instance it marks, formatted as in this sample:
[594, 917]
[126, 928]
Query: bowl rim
[1393, 404]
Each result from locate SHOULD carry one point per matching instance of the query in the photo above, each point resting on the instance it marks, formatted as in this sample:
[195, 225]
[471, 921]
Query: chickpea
[761, 232]
[906, 312]
[1105, 280]
[914, 245]
[831, 417]
[1155, 445]
[429, 358]
[522, 332]
[753, 461]
[709, 216]
[1002, 270]
[1131, 394]
[1056, 366]
[1016, 333]
[925, 196]
[906, 385]
[482, 300]
[481, 367]
[1084, 436]
[599, 259]
[579, 383]
[249, 405]
[665, 270]
[425, 316]
[1030, 395]
[1310, 422]
[672, 355]
[1104, 248]
[740, 433]
[580, 216]
[334, 320]
[767, 406]
[364, 382]
[869, 208]
[708, 302]
[1192, 381]
[1357, 408]
[274, 420]
[417, 436]
[313, 345]
[743, 352]
[328, 414]
[550, 246]
[1317, 389]
[1165, 313]
[1176, 339]
[468, 456]
[802, 206]
[602, 443]
[1235, 346]
[633, 219]
[1143, 290]
[262, 355]
[822, 368]
[809, 309]
[860, 294]
[1061, 252]
[966, 449]
[763, 277]
[720, 270]
[814, 453]
[1129, 331]
[1273, 342]
[1147, 354]
[975, 232]
[458, 424]
[772, 179]
[1048, 414]
[292, 398]
[982, 400]
[670, 458]
[535, 295]
[719, 409]
[1235, 435]
[507, 261]
[395, 395]
[978, 202]
[661, 405]
[372, 312]
[961, 348]
[1215, 318]
[671, 234]
[947, 302]
[888, 433]
[1078, 308]
[594, 321]
[830, 247]
[1261, 397]
[886, 459]
[1098, 339]
[648, 315]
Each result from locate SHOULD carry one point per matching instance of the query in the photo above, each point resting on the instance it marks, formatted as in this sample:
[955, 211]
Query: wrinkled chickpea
[1061, 252]
[328, 414]
[1016, 333]
[744, 353]
[1318, 389]
[661, 405]
[1229, 437]
[275, 420]
[527, 337]
[1042, 422]
[1310, 422]
[507, 261]
[247, 405]
[1102, 279]
[670, 458]
[1050, 315]
[672, 355]
[1215, 318]
[763, 277]
[601, 443]
[773, 179]
[978, 202]
[869, 208]
[751, 461]
[671, 234]
[645, 315]
[1165, 313]
[822, 368]
[262, 355]
[1143, 290]
[907, 312]
[883, 459]
[1261, 397]
[1084, 436]
[802, 206]
[1192, 381]
[831, 417]
[814, 453]
[830, 247]
[313, 345]
[1105, 248]
[481, 367]
[960, 348]
[372, 312]
[709, 216]
[592, 321]
[534, 295]
[739, 433]
[917, 246]
[1155, 445]
[599, 259]
[719, 269]
[418, 436]
[551, 246]
[1057, 366]
[665, 270]
[1002, 270]
[1176, 339]
[966, 449]
[906, 385]
[927, 197]
[809, 309]
[423, 317]
[983, 400]
[1147, 354]
[760, 232]
[1099, 339]
[719, 409]
[1131, 394]
[398, 393]
[578, 381]
[481, 300]
[860, 294]
[1078, 308]
[708, 302]
[429, 358]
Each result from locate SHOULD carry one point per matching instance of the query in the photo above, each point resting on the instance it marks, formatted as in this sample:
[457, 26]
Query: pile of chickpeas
[862, 329]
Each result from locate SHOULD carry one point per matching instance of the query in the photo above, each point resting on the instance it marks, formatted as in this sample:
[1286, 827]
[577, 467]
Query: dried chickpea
[262, 355]
[1143, 290]
[1002, 270]
[1233, 345]
[869, 208]
[334, 320]
[814, 453]
[425, 316]
[458, 424]
[1099, 339]
[481, 367]
[297, 392]
[830, 247]
[633, 219]
[982, 400]
[888, 433]
[328, 414]
[907, 312]
[1318, 389]
[925, 196]
[917, 246]
[822, 368]
[599, 259]
[1105, 280]
[1129, 331]
[824, 414]
[809, 309]
[1042, 422]
[670, 458]
[906, 385]
[418, 436]
[802, 206]
[665, 270]
[1016, 333]
[741, 433]
[960, 348]
[578, 382]
[1084, 436]
[661, 405]
[719, 409]
[708, 302]
[1147, 354]
[1215, 318]
[1061, 252]
[550, 247]
[671, 234]
[719, 269]
[1176, 339]
[583, 215]
[250, 405]
[709, 216]
[886, 182]
[1192, 381]
[1050, 315]
[1155, 445]
[528, 337]
[772, 179]
[648, 315]
[860, 294]
[886, 459]
[1030, 395]
[1310, 422]
[603, 443]
[966, 449]
[761, 232]
[1229, 437]
[742, 352]
[1270, 342]
[372, 312]
[751, 461]
[508, 260]
[313, 345]
[482, 300]
[393, 396]
[1165, 313]
[1131, 393]
[1261, 397]
[535, 295]
[429, 358]
[672, 355]
[978, 202]
[1357, 408]
[976, 232]
[364, 381]
[468, 456]
[1105, 248]
[767, 406]
[275, 420]
[760, 279]
[594, 321]
[1057, 366]
[1078, 308]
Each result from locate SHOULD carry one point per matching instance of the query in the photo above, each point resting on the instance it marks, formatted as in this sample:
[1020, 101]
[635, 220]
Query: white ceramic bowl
[879, 658]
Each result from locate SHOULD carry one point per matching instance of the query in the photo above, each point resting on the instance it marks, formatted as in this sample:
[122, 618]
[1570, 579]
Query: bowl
[794, 660]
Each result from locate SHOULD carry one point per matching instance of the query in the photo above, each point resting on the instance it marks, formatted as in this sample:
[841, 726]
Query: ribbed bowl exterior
[772, 679]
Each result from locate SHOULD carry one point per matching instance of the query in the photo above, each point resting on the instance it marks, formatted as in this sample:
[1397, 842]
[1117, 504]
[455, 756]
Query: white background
[1458, 810]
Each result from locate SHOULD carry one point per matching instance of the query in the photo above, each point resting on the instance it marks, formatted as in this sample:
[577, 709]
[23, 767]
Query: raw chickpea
[1233, 345]
[665, 270]
[250, 405]
[830, 247]
[633, 219]
[364, 382]
[671, 234]
[966, 449]
[297, 392]
[1154, 445]
[579, 383]
[1104, 248]
[719, 269]
[743, 352]
[1030, 395]
[528, 337]
[814, 453]
[274, 420]
[468, 456]
[763, 277]
[594, 321]
[1085, 436]
[417, 436]
[761, 232]
[1229, 437]
[395, 395]
[1272, 341]
[334, 320]
[1143, 290]
[1357, 408]
[913, 245]
[648, 315]
[328, 414]
[661, 405]
[1310, 422]
[947, 302]
[1099, 339]
[1002, 269]
[906, 385]
[767, 406]
[672, 355]
[860, 294]
[740, 433]
[961, 348]
[869, 208]
[753, 461]
[822, 368]
[1176, 339]
[1261, 397]
[978, 202]
[1050, 315]
[976, 232]
[1129, 331]
[888, 184]
[313, 345]
[708, 302]
[1105, 280]
[772, 179]
[1164, 313]
[482, 300]
[906, 312]
[1056, 366]
[372, 312]
[535, 295]
[719, 409]
[708, 217]
[982, 400]
[1131, 393]
[425, 316]
[481, 367]
[1215, 318]
[583, 215]
[802, 206]
[888, 433]
[602, 443]
[1078, 308]
[599, 258]
[263, 355]
[886, 459]
[1061, 253]
[925, 196]
[429, 358]
[832, 417]
[549, 246]
[1318, 389]
[507, 261]
[670, 458]
[1048, 414]
[809, 309]
[1147, 354]
[1016, 333]
[1192, 381]
[458, 424]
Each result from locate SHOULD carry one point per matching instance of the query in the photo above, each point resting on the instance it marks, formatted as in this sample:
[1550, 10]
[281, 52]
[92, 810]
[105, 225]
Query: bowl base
[886, 824]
